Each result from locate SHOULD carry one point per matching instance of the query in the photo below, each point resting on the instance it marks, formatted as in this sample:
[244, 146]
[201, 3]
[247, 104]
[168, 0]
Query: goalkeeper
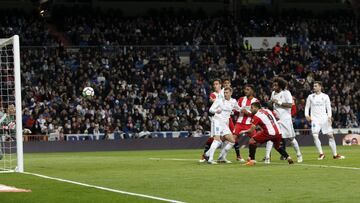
[7, 124]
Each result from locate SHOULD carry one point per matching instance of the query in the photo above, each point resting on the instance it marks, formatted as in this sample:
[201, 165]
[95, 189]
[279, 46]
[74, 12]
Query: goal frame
[14, 40]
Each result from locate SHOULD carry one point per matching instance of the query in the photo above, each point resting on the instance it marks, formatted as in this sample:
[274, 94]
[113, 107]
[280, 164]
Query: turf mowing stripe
[296, 164]
[104, 188]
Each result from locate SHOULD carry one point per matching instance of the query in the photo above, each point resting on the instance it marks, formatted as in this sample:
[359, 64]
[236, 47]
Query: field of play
[176, 176]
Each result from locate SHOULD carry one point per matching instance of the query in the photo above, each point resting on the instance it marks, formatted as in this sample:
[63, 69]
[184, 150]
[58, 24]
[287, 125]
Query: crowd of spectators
[151, 89]
[181, 28]
[32, 29]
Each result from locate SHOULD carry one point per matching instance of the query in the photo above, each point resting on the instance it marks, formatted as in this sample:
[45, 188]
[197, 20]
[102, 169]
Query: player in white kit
[318, 112]
[222, 108]
[282, 101]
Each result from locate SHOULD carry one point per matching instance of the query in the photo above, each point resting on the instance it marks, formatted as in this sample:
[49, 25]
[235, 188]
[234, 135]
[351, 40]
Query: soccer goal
[11, 138]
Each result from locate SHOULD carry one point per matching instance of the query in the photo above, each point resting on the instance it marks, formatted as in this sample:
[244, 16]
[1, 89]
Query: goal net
[11, 138]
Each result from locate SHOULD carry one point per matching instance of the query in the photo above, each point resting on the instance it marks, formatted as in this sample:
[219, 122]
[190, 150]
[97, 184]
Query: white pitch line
[327, 166]
[296, 164]
[173, 159]
[104, 188]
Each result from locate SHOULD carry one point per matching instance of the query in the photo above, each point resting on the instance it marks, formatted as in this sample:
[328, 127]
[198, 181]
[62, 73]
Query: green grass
[186, 180]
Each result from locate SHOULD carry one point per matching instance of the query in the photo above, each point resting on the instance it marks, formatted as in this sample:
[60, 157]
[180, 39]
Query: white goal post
[11, 135]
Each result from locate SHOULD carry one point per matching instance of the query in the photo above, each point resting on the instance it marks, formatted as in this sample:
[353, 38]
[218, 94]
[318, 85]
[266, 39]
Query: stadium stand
[148, 88]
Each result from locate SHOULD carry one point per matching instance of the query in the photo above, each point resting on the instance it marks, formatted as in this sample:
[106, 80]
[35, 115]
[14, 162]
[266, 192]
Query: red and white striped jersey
[246, 103]
[267, 121]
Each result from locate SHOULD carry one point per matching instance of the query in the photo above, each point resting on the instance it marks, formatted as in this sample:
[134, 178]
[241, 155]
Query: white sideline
[103, 188]
[296, 164]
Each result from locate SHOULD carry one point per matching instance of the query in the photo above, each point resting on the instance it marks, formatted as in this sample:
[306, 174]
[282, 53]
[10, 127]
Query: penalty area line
[295, 164]
[103, 188]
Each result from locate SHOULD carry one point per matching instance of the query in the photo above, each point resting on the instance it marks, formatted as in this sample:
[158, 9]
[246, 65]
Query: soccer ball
[88, 92]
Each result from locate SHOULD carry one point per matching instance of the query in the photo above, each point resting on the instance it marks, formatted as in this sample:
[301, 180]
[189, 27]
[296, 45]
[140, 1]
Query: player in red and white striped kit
[270, 132]
[244, 120]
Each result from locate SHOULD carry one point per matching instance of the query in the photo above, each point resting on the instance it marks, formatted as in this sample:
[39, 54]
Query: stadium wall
[143, 144]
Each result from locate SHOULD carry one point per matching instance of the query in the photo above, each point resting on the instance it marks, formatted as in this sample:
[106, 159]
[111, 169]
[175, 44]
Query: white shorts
[325, 127]
[219, 128]
[287, 128]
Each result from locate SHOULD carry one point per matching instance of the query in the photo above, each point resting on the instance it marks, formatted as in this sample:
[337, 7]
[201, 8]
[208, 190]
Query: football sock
[282, 152]
[269, 145]
[208, 144]
[283, 143]
[252, 150]
[296, 146]
[212, 149]
[225, 150]
[332, 145]
[318, 143]
[237, 148]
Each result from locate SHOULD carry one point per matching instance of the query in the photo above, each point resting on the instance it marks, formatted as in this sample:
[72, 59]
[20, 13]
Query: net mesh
[8, 156]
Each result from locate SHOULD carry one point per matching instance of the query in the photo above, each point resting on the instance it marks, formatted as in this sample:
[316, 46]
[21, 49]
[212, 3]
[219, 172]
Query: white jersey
[226, 107]
[283, 96]
[217, 95]
[320, 107]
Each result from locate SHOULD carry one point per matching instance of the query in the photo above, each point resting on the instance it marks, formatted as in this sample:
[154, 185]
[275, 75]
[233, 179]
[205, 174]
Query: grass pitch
[176, 175]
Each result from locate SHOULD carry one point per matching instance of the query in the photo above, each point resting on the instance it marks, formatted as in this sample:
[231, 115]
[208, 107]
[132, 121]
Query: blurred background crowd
[142, 84]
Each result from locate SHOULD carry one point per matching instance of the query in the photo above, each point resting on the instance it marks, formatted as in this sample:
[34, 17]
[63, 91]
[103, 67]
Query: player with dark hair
[282, 101]
[218, 93]
[244, 120]
[270, 131]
